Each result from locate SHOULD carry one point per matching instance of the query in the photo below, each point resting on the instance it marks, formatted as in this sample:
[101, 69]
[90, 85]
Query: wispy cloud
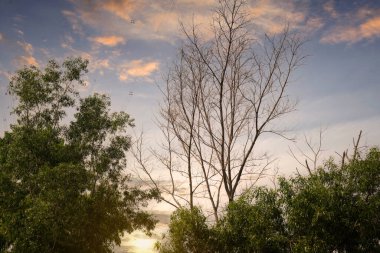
[109, 41]
[313, 24]
[351, 26]
[67, 41]
[137, 68]
[27, 58]
[72, 17]
[158, 20]
[272, 16]
[1, 36]
[357, 28]
[120, 8]
[330, 9]
[6, 74]
[143, 19]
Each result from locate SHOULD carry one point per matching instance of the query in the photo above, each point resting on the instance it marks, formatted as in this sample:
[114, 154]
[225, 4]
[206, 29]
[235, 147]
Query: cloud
[159, 20]
[362, 23]
[313, 24]
[120, 8]
[330, 9]
[352, 33]
[100, 65]
[109, 41]
[197, 2]
[371, 28]
[272, 16]
[98, 61]
[137, 68]
[27, 47]
[67, 41]
[20, 33]
[1, 37]
[6, 74]
[151, 20]
[28, 58]
[163, 22]
[72, 17]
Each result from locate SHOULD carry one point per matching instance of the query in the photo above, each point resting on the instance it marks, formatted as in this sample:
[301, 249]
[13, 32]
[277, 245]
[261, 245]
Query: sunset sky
[130, 43]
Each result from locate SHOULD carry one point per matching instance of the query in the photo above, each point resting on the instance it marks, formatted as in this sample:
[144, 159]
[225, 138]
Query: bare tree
[311, 156]
[221, 95]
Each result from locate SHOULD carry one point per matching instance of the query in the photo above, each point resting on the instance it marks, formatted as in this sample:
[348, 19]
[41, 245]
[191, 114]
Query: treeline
[334, 209]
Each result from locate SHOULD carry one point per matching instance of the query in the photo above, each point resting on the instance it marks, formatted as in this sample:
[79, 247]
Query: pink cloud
[330, 9]
[368, 29]
[137, 68]
[158, 20]
[28, 58]
[109, 41]
[272, 17]
[371, 28]
[120, 8]
[314, 24]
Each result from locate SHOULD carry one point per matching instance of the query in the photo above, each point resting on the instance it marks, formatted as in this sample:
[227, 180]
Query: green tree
[62, 186]
[188, 232]
[335, 209]
[253, 223]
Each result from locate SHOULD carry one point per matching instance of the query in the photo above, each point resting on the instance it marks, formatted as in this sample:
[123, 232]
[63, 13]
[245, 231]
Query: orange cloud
[109, 41]
[28, 58]
[120, 8]
[158, 20]
[137, 68]
[351, 34]
[272, 17]
[371, 28]
[1, 37]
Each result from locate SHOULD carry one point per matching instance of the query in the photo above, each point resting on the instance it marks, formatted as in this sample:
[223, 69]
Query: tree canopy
[63, 187]
[334, 209]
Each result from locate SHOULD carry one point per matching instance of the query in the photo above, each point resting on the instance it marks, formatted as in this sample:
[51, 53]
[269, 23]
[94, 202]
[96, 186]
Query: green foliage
[188, 232]
[253, 223]
[335, 209]
[62, 187]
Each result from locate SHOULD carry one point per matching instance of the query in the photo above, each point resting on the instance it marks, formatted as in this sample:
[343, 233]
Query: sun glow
[144, 245]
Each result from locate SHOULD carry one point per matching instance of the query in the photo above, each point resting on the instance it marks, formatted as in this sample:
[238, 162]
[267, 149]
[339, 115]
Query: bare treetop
[221, 95]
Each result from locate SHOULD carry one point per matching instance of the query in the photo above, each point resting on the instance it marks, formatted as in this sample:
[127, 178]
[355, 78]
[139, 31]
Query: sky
[131, 43]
